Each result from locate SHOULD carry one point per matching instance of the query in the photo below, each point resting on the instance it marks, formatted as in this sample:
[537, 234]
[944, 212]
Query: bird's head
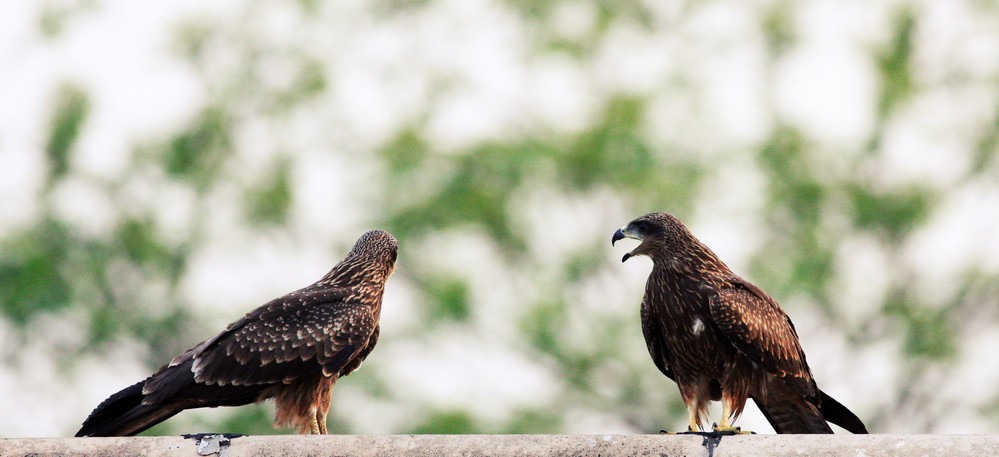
[658, 232]
[378, 247]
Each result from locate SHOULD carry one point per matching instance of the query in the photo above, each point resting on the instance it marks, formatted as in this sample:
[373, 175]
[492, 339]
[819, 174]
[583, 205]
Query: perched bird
[291, 349]
[720, 337]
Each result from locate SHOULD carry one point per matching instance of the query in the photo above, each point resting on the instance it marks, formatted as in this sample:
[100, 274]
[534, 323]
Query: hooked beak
[621, 234]
[618, 235]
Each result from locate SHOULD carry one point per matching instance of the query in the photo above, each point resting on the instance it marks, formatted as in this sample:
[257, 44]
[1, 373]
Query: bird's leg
[726, 426]
[695, 417]
[726, 412]
[323, 404]
[694, 426]
[321, 421]
[315, 426]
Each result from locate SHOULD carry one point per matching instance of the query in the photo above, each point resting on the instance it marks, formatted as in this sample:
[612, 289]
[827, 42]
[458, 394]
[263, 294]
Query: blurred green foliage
[808, 211]
[447, 423]
[893, 214]
[197, 154]
[447, 299]
[894, 64]
[270, 202]
[72, 106]
[30, 280]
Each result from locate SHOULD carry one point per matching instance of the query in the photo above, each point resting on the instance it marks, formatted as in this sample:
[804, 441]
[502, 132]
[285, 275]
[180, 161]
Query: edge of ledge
[460, 445]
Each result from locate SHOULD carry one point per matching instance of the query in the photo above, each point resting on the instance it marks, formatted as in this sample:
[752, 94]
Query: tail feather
[838, 414]
[123, 414]
[171, 390]
[789, 412]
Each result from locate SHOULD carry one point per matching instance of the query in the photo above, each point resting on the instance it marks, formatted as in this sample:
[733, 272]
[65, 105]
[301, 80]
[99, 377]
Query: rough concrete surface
[514, 445]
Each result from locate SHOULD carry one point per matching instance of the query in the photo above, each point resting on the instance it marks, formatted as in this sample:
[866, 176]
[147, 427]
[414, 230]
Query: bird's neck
[697, 262]
[364, 280]
[351, 271]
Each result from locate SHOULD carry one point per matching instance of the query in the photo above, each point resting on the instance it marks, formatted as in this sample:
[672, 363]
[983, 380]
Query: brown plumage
[719, 337]
[292, 349]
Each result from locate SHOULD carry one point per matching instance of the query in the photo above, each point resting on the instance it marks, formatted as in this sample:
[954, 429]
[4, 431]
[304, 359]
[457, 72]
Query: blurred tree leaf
[270, 202]
[894, 64]
[139, 242]
[31, 280]
[987, 146]
[72, 107]
[893, 213]
[541, 324]
[255, 419]
[310, 81]
[614, 151]
[448, 299]
[447, 423]
[475, 190]
[197, 154]
[533, 421]
[406, 152]
[929, 332]
[796, 199]
[778, 27]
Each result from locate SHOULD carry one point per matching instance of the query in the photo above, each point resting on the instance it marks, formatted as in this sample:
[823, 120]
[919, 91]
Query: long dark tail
[838, 414]
[123, 414]
[789, 412]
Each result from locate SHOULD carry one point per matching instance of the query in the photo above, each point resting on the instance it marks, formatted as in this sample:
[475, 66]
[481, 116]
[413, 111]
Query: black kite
[720, 337]
[292, 349]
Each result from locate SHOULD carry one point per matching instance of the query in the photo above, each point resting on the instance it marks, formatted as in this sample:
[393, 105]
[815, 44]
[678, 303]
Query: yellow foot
[688, 432]
[729, 430]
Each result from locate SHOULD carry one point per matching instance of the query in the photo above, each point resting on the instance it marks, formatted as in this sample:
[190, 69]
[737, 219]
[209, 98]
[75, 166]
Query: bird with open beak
[720, 337]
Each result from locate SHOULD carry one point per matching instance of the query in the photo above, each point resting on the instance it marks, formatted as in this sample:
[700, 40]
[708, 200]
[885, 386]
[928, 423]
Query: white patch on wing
[698, 327]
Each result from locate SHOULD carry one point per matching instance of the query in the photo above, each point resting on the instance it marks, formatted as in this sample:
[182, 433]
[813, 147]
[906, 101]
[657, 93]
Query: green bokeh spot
[893, 213]
[270, 202]
[894, 64]
[197, 154]
[540, 326]
[533, 421]
[30, 276]
[140, 243]
[253, 419]
[447, 423]
[72, 106]
[448, 299]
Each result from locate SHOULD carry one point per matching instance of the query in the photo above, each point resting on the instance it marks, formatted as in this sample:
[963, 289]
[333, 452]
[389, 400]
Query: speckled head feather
[373, 256]
[375, 244]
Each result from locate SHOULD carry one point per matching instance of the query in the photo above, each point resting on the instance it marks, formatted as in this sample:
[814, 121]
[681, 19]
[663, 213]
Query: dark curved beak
[618, 235]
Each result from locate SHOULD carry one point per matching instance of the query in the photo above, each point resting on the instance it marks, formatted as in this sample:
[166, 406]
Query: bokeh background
[167, 166]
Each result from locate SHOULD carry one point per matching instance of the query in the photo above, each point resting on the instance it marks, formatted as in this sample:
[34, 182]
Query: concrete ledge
[520, 445]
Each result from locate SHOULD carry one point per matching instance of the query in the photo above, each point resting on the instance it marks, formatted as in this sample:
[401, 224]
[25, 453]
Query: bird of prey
[720, 337]
[291, 349]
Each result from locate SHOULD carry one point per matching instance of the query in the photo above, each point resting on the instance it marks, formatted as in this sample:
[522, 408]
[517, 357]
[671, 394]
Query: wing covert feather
[292, 337]
[754, 323]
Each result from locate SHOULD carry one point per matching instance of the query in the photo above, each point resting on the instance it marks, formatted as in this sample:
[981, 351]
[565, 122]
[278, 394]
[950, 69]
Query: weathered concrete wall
[519, 445]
